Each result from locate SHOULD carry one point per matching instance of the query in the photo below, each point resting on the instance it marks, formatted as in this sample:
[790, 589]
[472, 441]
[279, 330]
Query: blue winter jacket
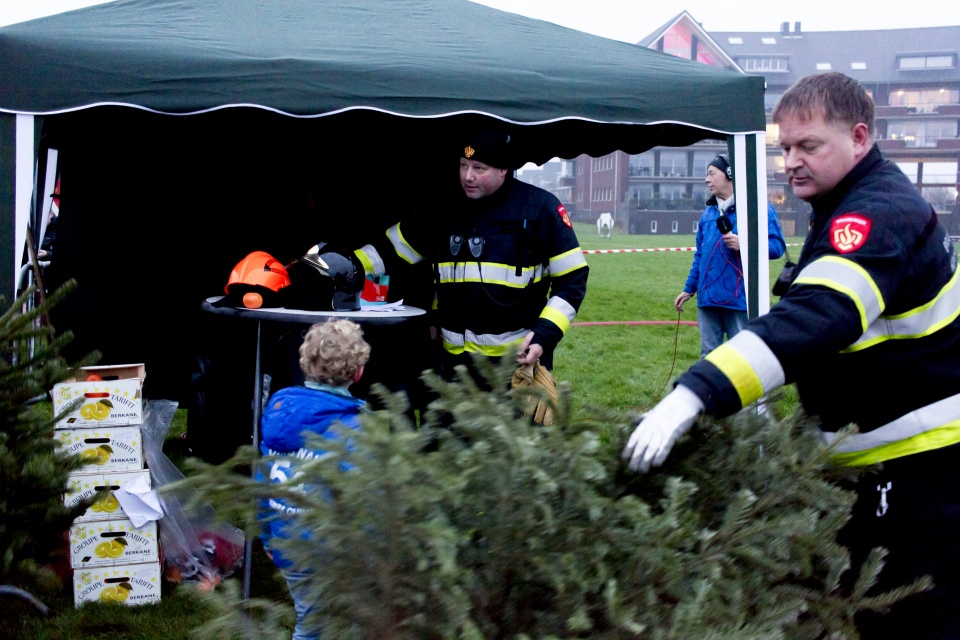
[716, 275]
[291, 412]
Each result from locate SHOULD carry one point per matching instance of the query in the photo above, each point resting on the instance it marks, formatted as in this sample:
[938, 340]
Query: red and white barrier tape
[655, 249]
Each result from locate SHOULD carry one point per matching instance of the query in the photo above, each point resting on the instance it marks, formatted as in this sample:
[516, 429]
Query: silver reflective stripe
[403, 249]
[916, 323]
[848, 278]
[376, 265]
[489, 273]
[567, 262]
[749, 365]
[483, 339]
[559, 312]
[923, 420]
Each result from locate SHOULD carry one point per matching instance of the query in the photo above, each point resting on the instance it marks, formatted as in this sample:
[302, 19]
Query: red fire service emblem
[564, 216]
[849, 232]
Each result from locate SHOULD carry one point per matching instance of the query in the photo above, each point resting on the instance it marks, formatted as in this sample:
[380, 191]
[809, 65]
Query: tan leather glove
[536, 375]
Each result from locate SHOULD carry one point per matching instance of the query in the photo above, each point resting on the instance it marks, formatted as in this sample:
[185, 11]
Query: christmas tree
[482, 525]
[33, 469]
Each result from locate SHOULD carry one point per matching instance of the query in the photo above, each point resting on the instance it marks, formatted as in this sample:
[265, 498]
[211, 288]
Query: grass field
[618, 367]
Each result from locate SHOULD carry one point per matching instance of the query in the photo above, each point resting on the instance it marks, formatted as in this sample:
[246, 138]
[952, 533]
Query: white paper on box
[86, 485]
[131, 584]
[112, 542]
[105, 449]
[115, 400]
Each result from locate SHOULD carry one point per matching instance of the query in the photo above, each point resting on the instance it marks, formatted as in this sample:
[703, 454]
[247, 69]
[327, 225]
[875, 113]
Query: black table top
[280, 314]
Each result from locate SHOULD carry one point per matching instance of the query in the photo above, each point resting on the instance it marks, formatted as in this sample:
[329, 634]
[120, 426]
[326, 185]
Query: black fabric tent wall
[190, 133]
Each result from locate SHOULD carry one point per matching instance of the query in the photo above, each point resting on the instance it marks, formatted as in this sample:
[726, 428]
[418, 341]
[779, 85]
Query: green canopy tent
[188, 133]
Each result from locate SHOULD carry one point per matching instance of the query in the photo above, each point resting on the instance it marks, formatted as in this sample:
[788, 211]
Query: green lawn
[619, 367]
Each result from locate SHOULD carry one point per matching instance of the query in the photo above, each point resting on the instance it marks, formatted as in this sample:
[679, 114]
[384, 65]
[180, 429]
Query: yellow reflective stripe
[738, 371]
[849, 278]
[365, 260]
[556, 317]
[567, 262]
[402, 247]
[489, 273]
[938, 438]
[559, 312]
[923, 321]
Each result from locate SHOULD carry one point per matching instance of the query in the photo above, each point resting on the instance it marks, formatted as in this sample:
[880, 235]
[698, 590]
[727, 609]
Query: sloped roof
[877, 50]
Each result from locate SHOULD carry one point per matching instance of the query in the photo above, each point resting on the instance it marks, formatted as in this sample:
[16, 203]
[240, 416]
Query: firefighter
[869, 329]
[509, 270]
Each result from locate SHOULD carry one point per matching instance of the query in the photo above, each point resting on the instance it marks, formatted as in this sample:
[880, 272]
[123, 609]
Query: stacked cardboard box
[112, 560]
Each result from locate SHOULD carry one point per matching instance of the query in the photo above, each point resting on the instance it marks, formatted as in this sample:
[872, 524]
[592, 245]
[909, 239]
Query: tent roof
[420, 58]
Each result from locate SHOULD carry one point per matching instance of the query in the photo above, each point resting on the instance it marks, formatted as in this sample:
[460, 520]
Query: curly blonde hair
[332, 352]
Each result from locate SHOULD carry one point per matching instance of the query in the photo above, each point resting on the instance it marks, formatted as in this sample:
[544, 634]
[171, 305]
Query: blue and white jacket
[291, 412]
[716, 275]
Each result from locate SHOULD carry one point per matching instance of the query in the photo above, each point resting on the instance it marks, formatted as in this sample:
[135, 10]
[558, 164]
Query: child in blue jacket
[332, 358]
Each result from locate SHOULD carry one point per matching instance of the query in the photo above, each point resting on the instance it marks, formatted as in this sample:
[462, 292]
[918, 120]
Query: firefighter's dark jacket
[528, 273]
[869, 328]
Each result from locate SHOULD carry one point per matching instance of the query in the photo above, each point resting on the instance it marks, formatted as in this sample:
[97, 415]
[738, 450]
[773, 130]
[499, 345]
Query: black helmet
[326, 278]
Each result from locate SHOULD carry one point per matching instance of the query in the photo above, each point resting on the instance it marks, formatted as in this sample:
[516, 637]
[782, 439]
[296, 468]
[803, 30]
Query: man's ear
[358, 374]
[862, 141]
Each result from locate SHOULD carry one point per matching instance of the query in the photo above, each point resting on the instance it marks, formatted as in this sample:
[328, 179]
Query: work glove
[657, 430]
[536, 375]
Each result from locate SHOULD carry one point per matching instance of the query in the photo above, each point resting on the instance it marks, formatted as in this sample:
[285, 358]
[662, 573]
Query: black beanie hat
[721, 162]
[489, 146]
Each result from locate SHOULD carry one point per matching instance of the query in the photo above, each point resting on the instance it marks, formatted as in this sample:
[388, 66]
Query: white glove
[657, 430]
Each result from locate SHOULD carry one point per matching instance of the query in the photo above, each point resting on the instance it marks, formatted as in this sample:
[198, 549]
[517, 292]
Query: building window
[921, 133]
[734, 40]
[948, 61]
[943, 198]
[940, 173]
[642, 164]
[653, 226]
[673, 164]
[823, 66]
[924, 100]
[696, 226]
[674, 226]
[773, 132]
[910, 169]
[768, 40]
[671, 191]
[776, 195]
[764, 63]
[770, 100]
[699, 194]
[858, 66]
[775, 165]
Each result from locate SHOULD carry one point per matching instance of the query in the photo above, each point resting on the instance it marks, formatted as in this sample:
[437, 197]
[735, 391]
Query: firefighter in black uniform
[869, 330]
[509, 270]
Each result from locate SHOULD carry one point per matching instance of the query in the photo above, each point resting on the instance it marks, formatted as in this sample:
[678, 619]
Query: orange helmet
[256, 282]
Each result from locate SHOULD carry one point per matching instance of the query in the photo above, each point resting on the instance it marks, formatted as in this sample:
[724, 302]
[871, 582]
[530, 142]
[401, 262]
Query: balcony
[891, 145]
[948, 143]
[948, 110]
[894, 112]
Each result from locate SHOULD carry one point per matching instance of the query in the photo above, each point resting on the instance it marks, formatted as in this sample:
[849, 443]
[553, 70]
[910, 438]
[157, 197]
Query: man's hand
[656, 432]
[678, 303]
[732, 241]
[529, 353]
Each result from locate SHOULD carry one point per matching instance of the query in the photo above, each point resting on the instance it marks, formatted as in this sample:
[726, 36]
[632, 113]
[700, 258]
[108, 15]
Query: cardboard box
[114, 400]
[112, 542]
[131, 584]
[86, 485]
[106, 449]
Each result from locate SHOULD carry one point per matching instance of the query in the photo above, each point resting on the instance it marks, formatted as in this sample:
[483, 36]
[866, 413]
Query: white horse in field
[605, 225]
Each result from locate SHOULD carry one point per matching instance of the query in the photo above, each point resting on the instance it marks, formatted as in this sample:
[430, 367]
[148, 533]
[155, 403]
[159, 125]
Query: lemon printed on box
[118, 593]
[99, 410]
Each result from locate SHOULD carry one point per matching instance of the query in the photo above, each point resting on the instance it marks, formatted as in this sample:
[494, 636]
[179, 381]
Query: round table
[389, 315]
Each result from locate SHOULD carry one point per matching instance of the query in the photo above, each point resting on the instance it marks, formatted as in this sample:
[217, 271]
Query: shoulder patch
[564, 216]
[849, 232]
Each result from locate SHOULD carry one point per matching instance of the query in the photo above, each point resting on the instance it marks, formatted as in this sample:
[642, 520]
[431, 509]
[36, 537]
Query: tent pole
[748, 157]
